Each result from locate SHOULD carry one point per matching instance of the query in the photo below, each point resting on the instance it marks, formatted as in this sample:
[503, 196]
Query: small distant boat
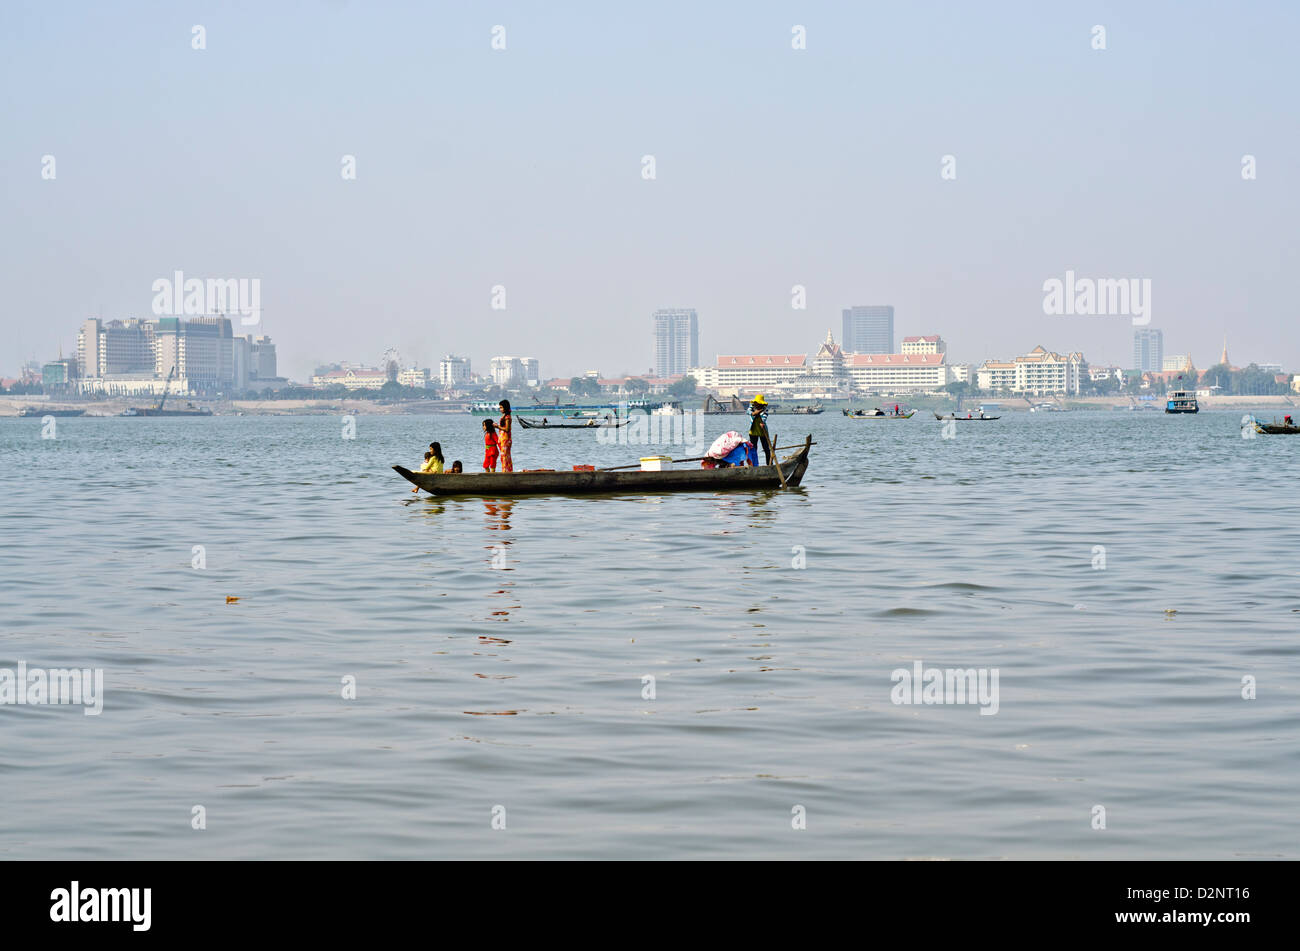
[592, 423]
[813, 410]
[38, 411]
[190, 410]
[882, 415]
[1182, 401]
[595, 481]
[967, 419]
[1275, 428]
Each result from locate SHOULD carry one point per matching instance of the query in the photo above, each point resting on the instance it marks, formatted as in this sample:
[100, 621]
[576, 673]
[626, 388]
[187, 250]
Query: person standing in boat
[758, 429]
[505, 429]
[490, 447]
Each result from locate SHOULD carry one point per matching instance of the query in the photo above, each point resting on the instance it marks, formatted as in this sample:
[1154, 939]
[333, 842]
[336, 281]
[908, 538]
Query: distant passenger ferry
[1182, 401]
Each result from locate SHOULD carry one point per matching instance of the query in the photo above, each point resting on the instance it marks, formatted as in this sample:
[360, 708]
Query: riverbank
[13, 405]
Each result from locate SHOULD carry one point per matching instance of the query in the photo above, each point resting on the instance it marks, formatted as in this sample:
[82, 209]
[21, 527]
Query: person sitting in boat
[729, 449]
[456, 467]
[490, 448]
[544, 422]
[1286, 421]
[758, 429]
[438, 463]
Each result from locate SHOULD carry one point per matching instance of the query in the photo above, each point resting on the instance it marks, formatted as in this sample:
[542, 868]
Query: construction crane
[166, 387]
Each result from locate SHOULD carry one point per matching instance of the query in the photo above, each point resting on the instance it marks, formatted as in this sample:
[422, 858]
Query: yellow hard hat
[759, 400]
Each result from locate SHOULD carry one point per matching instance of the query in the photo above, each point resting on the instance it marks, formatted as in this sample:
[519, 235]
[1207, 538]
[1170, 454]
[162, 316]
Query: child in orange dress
[505, 430]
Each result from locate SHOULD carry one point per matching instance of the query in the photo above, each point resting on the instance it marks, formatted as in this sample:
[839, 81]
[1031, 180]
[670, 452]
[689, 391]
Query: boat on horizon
[981, 418]
[591, 423]
[881, 415]
[1182, 401]
[28, 411]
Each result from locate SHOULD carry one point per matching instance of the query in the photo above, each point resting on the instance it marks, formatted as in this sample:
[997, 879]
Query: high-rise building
[513, 371]
[677, 340]
[868, 329]
[1148, 349]
[200, 350]
[115, 347]
[262, 359]
[453, 370]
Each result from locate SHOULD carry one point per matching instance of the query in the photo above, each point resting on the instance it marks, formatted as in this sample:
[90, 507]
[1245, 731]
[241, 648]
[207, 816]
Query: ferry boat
[1182, 401]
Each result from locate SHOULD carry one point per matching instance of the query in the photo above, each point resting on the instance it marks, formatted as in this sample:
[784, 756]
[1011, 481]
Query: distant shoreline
[10, 406]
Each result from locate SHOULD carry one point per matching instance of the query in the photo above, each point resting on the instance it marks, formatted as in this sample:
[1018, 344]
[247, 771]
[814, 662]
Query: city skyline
[1111, 163]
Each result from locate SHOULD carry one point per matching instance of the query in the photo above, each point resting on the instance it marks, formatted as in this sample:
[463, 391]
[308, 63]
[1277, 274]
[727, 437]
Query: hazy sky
[774, 167]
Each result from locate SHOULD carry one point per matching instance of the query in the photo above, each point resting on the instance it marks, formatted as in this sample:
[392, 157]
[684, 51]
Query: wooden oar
[702, 458]
[780, 474]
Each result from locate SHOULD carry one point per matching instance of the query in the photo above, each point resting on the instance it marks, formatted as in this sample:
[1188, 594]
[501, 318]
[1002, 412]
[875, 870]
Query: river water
[1130, 578]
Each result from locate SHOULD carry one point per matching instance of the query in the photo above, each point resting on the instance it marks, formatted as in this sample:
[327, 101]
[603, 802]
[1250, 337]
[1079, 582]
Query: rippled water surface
[522, 687]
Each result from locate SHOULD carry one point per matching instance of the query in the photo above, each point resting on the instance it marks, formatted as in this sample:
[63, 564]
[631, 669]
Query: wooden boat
[1275, 429]
[907, 415]
[593, 424]
[966, 419]
[558, 482]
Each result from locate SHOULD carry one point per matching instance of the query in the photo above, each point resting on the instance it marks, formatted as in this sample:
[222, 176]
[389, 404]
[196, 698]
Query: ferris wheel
[392, 363]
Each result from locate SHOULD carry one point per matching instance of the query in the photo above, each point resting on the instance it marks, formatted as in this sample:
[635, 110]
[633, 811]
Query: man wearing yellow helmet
[758, 426]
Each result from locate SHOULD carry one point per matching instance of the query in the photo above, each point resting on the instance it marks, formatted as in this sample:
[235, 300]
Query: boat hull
[507, 484]
[966, 419]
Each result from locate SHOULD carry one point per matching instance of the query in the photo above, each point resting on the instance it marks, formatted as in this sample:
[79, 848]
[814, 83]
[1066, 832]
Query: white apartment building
[453, 370]
[414, 376]
[515, 371]
[1037, 373]
[929, 344]
[354, 378]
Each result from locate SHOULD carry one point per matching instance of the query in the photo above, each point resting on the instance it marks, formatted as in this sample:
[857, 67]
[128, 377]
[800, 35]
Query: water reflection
[501, 556]
[498, 514]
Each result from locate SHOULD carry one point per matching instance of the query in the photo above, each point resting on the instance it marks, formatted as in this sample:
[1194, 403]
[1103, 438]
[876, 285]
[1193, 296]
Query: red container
[584, 468]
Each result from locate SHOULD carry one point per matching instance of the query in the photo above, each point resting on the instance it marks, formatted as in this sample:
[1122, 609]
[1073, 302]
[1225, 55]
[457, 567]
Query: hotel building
[1037, 373]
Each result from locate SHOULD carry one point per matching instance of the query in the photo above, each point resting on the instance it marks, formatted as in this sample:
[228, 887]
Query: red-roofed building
[748, 372]
[897, 371]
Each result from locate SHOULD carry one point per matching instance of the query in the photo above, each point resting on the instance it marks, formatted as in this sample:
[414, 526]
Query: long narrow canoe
[594, 424]
[967, 419]
[907, 415]
[690, 479]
